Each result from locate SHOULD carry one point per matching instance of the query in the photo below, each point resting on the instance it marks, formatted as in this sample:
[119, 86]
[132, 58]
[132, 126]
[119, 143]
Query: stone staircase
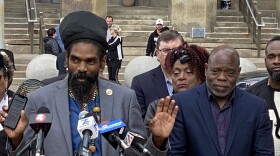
[136, 22]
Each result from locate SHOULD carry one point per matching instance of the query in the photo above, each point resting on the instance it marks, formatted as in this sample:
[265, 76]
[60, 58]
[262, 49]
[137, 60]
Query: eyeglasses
[183, 55]
[165, 51]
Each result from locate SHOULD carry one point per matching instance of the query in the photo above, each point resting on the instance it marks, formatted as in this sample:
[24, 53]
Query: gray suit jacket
[122, 104]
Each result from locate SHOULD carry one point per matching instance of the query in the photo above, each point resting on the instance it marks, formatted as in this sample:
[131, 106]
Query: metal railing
[254, 21]
[41, 33]
[31, 13]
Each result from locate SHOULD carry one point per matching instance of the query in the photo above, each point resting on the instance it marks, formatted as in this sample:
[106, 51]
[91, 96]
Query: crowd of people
[188, 105]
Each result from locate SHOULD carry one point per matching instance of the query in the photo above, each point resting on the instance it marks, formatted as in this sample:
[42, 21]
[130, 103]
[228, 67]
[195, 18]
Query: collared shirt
[168, 84]
[221, 117]
[74, 107]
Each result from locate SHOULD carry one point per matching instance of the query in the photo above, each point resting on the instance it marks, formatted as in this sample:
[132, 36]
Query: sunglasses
[183, 55]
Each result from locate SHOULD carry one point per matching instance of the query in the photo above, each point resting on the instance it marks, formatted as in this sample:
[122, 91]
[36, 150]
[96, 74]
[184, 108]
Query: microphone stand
[40, 144]
[84, 151]
[27, 147]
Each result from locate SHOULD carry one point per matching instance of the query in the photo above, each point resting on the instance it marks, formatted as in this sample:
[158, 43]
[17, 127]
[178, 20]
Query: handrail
[41, 33]
[250, 11]
[31, 13]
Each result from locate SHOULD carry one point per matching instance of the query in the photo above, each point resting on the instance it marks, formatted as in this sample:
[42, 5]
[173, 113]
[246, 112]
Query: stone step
[271, 25]
[269, 20]
[19, 31]
[231, 29]
[22, 49]
[23, 14]
[230, 18]
[141, 17]
[137, 28]
[268, 13]
[25, 25]
[120, 10]
[22, 9]
[231, 24]
[24, 20]
[136, 22]
[228, 13]
[270, 30]
[228, 35]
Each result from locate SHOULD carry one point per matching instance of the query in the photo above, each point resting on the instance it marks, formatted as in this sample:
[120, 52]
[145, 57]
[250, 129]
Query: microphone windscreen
[91, 114]
[43, 110]
[82, 114]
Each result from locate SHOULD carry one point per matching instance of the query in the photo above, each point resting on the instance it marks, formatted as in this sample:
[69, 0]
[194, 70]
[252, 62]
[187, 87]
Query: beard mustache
[81, 90]
[274, 75]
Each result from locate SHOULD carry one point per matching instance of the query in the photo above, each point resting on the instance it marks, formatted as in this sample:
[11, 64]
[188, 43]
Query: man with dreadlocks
[186, 65]
[269, 89]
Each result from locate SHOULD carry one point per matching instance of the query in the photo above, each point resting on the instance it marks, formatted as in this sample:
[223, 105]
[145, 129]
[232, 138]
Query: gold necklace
[84, 102]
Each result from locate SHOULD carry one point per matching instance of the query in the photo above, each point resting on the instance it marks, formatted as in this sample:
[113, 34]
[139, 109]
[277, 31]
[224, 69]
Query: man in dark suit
[156, 83]
[217, 118]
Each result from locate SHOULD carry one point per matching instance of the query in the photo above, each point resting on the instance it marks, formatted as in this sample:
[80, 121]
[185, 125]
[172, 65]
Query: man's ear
[66, 59]
[206, 68]
[102, 63]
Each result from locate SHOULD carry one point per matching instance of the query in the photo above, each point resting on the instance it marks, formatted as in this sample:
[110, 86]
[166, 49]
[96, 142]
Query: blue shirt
[74, 107]
[221, 117]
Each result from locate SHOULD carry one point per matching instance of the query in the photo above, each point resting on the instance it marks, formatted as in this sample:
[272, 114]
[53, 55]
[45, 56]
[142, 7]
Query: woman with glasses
[187, 67]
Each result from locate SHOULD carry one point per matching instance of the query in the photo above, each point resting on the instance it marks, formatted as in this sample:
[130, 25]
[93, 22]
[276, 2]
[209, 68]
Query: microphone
[134, 140]
[110, 131]
[41, 124]
[88, 129]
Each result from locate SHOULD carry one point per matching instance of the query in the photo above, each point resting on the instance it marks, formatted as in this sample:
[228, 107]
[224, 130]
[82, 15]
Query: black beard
[81, 90]
[275, 76]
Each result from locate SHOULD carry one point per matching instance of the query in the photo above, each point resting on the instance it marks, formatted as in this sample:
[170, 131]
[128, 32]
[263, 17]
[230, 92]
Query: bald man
[219, 119]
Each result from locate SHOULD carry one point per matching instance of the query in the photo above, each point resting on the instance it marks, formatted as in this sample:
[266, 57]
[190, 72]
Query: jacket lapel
[106, 94]
[204, 106]
[159, 83]
[62, 104]
[235, 119]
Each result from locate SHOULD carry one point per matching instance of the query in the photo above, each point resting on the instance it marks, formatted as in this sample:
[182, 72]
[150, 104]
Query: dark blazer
[194, 131]
[149, 86]
[3, 136]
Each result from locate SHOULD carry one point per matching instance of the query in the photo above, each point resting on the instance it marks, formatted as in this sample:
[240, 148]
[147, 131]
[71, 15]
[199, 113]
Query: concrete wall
[149, 3]
[99, 7]
[186, 14]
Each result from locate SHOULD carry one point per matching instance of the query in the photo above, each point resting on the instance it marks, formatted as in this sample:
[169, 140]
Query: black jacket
[3, 136]
[152, 43]
[51, 46]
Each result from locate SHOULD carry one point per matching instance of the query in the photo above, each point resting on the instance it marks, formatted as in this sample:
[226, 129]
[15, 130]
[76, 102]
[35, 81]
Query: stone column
[99, 7]
[2, 41]
[185, 14]
[278, 11]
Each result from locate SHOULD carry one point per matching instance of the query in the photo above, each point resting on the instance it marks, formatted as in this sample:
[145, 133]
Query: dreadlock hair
[197, 57]
[275, 38]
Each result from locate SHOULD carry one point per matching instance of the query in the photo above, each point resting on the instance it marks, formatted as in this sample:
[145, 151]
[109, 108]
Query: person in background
[50, 44]
[157, 83]
[269, 88]
[115, 53]
[109, 21]
[151, 45]
[61, 64]
[219, 119]
[11, 58]
[6, 73]
[10, 55]
[186, 65]
[58, 37]
[84, 38]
